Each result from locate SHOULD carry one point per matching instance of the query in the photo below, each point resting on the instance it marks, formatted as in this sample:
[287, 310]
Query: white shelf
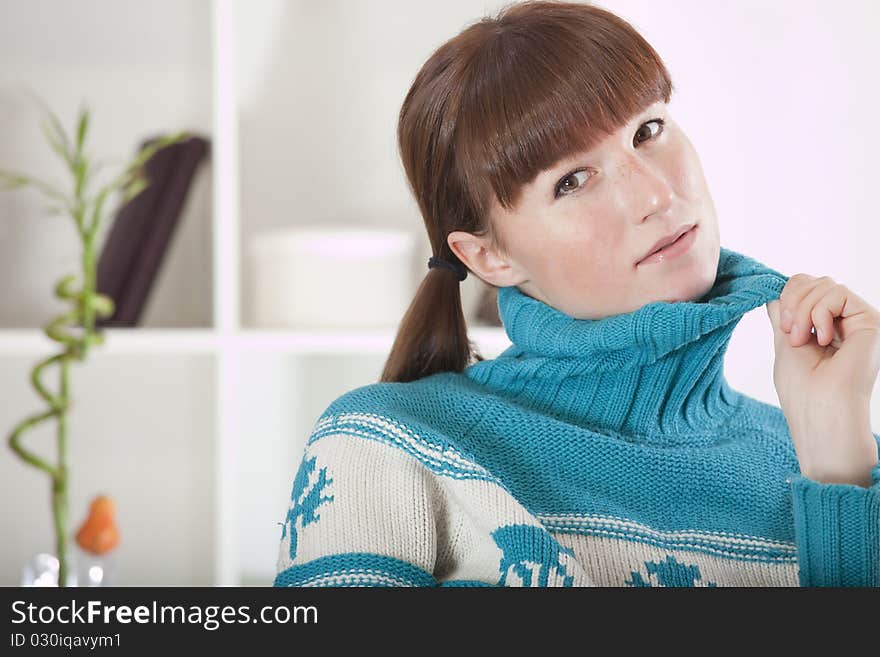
[145, 341]
[33, 342]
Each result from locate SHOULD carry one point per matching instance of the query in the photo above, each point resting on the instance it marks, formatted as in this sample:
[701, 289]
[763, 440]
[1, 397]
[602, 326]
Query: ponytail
[432, 336]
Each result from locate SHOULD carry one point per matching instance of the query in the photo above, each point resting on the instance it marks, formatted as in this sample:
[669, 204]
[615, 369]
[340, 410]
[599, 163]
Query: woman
[604, 447]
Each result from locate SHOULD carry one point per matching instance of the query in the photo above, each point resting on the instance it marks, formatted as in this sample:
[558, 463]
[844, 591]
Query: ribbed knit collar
[653, 375]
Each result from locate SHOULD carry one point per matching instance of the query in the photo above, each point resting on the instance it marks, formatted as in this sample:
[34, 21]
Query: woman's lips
[672, 251]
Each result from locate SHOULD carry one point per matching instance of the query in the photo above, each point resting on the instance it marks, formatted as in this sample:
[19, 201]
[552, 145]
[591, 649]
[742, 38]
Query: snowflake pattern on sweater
[668, 573]
[519, 544]
[305, 499]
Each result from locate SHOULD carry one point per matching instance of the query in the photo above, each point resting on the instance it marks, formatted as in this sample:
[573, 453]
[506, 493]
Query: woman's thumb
[773, 313]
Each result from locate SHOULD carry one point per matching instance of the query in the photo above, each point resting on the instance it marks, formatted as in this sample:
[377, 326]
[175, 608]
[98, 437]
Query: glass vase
[83, 569]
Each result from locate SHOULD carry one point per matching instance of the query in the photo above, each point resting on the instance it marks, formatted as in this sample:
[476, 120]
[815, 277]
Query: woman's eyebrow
[566, 163]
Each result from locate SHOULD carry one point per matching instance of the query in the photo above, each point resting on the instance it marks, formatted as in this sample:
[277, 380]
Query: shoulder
[367, 412]
[360, 456]
[415, 420]
[393, 410]
[392, 397]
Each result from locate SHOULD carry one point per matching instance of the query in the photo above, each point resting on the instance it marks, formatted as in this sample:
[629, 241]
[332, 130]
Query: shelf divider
[226, 237]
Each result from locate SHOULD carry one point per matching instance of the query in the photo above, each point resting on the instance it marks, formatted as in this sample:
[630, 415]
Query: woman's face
[578, 233]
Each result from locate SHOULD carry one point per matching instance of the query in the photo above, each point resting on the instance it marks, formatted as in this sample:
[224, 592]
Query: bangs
[540, 92]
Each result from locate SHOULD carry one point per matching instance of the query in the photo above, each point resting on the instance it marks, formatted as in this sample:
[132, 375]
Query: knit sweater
[608, 452]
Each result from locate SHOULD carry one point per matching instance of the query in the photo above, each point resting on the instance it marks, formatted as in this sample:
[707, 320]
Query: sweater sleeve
[837, 531]
[360, 514]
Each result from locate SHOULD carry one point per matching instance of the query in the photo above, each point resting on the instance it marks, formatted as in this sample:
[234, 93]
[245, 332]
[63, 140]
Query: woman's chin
[690, 285]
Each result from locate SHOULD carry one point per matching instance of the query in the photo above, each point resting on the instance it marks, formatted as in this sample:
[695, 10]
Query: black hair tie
[455, 267]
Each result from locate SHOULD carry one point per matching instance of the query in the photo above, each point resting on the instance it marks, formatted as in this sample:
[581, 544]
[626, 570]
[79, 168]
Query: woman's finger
[855, 314]
[836, 312]
[795, 289]
[825, 311]
[802, 322]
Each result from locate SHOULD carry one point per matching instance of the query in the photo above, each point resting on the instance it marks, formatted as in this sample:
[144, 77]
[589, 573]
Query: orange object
[99, 533]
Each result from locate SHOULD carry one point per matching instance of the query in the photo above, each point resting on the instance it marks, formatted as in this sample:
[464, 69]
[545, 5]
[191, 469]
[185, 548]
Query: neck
[653, 375]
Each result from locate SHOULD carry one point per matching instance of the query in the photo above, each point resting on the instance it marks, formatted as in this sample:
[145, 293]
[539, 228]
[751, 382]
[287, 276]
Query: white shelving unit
[296, 350]
[249, 398]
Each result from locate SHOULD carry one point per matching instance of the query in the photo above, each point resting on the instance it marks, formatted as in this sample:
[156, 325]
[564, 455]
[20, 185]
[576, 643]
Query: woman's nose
[646, 184]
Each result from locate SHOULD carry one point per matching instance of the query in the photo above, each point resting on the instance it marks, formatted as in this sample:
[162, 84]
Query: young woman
[605, 446]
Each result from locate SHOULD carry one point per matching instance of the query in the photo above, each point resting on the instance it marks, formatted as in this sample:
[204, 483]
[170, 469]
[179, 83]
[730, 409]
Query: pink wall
[781, 102]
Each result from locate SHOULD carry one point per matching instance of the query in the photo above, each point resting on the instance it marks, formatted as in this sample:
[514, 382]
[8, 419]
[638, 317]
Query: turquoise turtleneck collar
[654, 374]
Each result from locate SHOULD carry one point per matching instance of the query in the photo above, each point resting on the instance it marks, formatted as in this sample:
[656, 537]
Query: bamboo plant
[74, 330]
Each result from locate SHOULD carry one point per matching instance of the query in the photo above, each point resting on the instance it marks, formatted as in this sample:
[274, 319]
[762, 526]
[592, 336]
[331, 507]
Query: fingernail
[786, 317]
[794, 331]
[820, 334]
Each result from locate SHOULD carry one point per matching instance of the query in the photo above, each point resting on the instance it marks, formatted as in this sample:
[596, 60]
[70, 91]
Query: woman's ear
[478, 255]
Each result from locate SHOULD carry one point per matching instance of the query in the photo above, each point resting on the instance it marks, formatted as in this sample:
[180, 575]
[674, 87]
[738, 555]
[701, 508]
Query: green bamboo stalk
[87, 213]
[59, 483]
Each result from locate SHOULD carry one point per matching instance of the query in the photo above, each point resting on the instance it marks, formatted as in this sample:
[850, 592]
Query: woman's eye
[648, 133]
[571, 182]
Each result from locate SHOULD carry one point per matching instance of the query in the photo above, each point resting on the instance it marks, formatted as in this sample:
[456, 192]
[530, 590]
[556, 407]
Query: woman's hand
[824, 380]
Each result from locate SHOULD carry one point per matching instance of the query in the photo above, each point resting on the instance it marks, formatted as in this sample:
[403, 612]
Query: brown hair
[505, 99]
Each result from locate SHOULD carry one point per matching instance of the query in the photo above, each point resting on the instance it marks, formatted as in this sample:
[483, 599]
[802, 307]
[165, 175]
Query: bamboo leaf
[12, 180]
[82, 129]
[102, 304]
[80, 174]
[53, 129]
[148, 151]
[58, 141]
[58, 127]
[135, 188]
[50, 190]
[97, 209]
